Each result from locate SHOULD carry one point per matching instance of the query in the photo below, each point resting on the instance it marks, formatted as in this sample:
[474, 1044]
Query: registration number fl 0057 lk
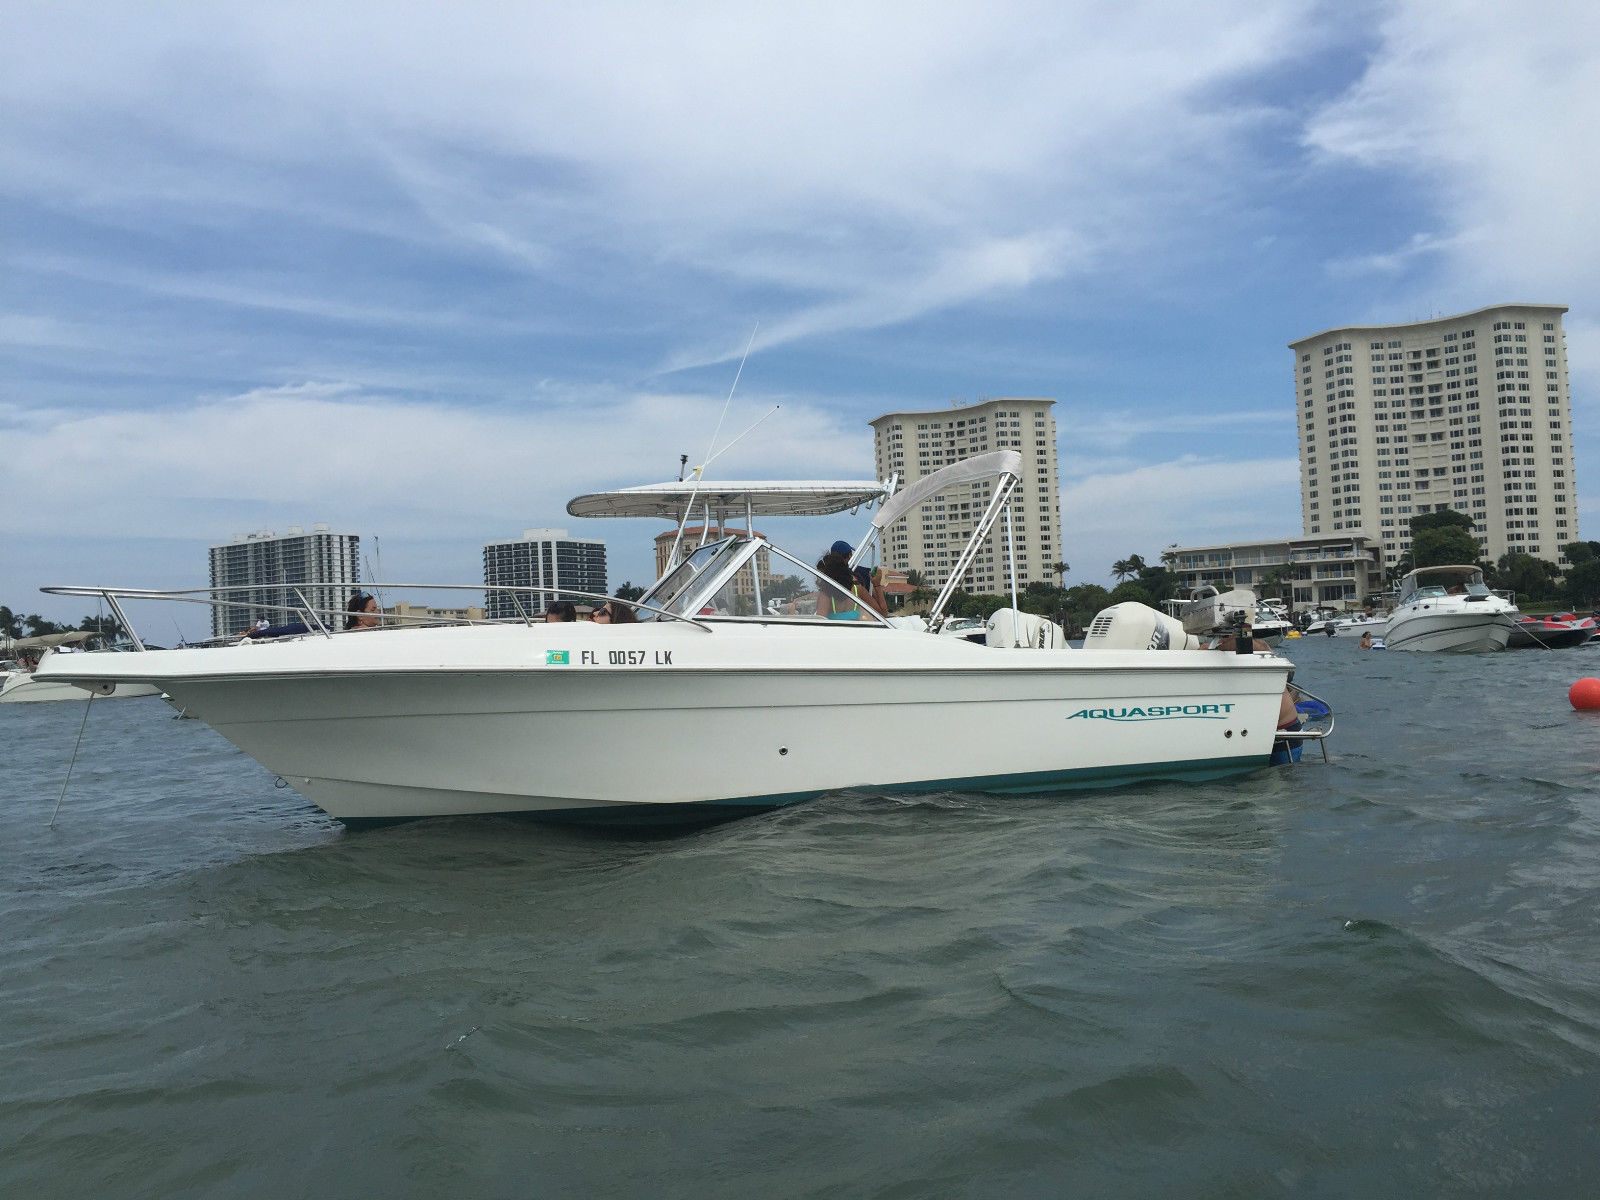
[625, 658]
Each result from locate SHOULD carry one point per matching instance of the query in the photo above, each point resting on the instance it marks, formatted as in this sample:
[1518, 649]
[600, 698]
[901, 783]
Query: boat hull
[1355, 629]
[701, 726]
[22, 689]
[1450, 632]
[1525, 637]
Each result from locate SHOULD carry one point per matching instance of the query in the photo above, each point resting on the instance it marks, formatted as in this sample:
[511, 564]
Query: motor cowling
[1008, 627]
[1135, 626]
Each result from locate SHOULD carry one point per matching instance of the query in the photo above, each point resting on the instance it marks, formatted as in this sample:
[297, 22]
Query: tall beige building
[914, 444]
[1470, 412]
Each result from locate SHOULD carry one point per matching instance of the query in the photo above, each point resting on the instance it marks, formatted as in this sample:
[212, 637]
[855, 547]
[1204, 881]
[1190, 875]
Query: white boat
[710, 705]
[1449, 609]
[967, 628]
[1358, 624]
[1208, 612]
[21, 686]
[1273, 622]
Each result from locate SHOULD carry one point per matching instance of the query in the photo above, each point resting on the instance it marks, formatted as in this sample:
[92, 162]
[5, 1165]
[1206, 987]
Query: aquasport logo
[1155, 712]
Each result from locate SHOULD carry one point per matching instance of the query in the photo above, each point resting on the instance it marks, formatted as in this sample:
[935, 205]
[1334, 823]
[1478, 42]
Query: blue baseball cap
[844, 548]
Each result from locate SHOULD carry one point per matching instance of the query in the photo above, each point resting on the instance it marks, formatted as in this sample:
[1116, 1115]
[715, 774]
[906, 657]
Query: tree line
[1071, 607]
[21, 625]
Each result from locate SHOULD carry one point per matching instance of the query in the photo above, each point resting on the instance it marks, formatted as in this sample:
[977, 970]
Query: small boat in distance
[1449, 609]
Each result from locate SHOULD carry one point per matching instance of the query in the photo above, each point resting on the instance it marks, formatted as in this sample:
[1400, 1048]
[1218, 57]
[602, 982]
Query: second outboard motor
[1134, 626]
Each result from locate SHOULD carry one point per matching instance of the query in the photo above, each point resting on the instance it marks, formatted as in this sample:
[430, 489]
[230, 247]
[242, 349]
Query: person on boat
[868, 590]
[361, 612]
[561, 610]
[835, 567]
[614, 614]
[1366, 639]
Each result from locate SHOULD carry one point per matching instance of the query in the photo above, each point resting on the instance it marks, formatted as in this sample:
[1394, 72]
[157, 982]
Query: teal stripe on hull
[711, 812]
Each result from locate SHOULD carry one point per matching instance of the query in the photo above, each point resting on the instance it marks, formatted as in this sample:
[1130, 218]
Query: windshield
[680, 580]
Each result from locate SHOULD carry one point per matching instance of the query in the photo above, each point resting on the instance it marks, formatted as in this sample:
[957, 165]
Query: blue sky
[425, 272]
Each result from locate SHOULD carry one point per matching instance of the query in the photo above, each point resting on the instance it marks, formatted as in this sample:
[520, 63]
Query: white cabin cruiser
[709, 705]
[1449, 609]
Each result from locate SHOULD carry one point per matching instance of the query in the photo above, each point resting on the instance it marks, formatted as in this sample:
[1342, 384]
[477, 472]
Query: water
[1379, 977]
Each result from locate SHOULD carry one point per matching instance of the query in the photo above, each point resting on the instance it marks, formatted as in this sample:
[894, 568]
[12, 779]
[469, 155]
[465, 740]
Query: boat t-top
[1449, 609]
[711, 704]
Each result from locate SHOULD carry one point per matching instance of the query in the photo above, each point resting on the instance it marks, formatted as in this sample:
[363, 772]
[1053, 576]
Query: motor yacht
[1449, 609]
[710, 704]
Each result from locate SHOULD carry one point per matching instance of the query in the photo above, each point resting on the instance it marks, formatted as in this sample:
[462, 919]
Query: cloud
[1484, 115]
[1188, 500]
[330, 451]
[864, 164]
[1405, 257]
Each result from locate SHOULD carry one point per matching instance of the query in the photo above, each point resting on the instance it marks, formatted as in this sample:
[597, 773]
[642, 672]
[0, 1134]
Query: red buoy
[1585, 694]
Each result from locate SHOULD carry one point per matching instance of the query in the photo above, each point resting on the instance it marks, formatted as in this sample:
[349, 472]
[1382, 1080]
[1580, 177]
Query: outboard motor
[1135, 626]
[1010, 627]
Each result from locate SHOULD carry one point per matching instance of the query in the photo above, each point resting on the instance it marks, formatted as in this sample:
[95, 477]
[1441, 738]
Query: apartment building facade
[272, 569]
[541, 558]
[1470, 412]
[1342, 570]
[917, 443]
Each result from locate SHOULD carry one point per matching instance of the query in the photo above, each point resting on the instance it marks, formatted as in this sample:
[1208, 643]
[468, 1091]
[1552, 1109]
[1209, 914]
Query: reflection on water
[1379, 976]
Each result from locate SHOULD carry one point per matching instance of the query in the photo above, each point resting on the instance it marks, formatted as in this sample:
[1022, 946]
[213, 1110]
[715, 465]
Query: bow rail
[313, 617]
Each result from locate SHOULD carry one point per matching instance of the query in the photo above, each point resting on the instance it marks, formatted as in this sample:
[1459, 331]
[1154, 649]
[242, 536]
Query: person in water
[1366, 639]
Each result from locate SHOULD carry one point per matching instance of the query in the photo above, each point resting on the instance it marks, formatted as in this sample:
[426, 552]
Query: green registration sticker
[556, 658]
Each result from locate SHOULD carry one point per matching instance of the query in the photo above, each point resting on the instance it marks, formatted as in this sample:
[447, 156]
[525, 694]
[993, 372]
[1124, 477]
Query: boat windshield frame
[710, 569]
[669, 592]
[1426, 583]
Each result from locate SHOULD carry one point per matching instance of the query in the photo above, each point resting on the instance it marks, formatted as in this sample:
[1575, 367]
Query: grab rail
[208, 597]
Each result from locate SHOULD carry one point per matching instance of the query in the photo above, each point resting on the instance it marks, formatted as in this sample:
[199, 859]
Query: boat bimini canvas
[711, 704]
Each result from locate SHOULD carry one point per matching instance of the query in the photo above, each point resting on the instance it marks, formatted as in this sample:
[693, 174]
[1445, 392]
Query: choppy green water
[1375, 978]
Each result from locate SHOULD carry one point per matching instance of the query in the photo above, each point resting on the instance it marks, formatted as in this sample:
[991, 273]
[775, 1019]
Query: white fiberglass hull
[1457, 629]
[22, 688]
[1355, 628]
[647, 722]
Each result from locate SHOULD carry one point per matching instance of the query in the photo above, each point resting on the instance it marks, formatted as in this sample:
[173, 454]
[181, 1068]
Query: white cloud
[875, 162]
[1189, 500]
[1485, 108]
[330, 451]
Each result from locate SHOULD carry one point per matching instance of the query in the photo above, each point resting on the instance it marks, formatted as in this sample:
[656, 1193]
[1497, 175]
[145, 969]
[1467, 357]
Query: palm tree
[914, 578]
[1135, 564]
[1121, 569]
[1061, 570]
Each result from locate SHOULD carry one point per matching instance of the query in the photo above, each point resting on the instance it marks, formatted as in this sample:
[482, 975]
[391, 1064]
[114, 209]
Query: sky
[425, 272]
